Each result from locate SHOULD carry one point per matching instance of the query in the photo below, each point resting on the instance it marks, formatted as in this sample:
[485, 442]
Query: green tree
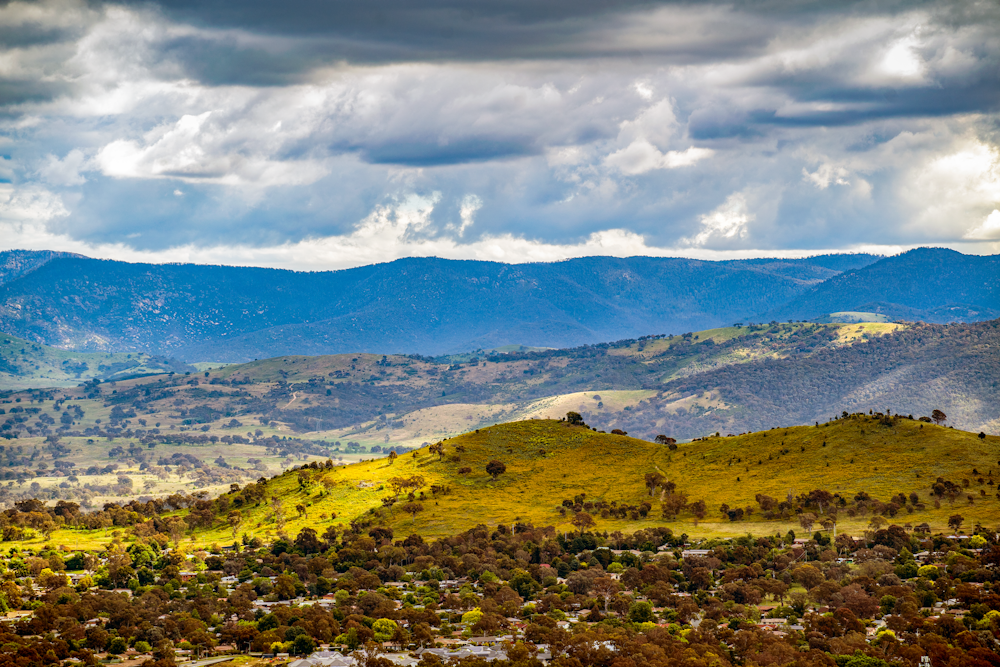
[385, 629]
[117, 646]
[641, 612]
[303, 645]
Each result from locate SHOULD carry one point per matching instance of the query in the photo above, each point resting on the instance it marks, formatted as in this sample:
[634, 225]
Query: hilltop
[24, 364]
[180, 432]
[554, 470]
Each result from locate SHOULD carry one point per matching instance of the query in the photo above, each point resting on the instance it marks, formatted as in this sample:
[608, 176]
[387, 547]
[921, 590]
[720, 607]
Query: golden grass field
[548, 461]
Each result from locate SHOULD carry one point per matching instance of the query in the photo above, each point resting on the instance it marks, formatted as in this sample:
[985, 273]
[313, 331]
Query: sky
[325, 134]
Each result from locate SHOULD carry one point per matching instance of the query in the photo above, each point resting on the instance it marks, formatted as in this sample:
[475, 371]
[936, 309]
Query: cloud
[641, 156]
[826, 174]
[546, 129]
[64, 172]
[728, 221]
[989, 230]
[30, 205]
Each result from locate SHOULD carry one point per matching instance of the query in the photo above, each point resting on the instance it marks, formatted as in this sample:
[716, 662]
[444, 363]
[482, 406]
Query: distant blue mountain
[435, 306]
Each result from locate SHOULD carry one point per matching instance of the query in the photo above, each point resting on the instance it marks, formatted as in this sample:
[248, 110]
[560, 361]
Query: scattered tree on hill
[301, 510]
[574, 418]
[664, 440]
[234, 519]
[413, 509]
[495, 468]
[583, 521]
[465, 470]
[955, 521]
[699, 509]
[806, 520]
[673, 504]
[392, 456]
[279, 512]
[653, 480]
[938, 416]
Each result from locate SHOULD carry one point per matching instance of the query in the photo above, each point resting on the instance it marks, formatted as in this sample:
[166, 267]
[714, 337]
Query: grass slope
[549, 461]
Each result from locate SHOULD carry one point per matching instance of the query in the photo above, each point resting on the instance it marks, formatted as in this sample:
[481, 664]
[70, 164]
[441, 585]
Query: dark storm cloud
[390, 125]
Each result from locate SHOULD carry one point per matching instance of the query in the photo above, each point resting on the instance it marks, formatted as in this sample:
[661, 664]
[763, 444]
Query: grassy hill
[24, 364]
[549, 462]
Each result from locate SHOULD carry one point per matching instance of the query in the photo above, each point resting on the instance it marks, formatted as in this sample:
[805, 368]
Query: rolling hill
[929, 284]
[25, 365]
[555, 469]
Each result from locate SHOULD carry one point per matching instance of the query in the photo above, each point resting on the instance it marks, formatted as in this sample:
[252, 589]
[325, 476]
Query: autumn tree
[583, 521]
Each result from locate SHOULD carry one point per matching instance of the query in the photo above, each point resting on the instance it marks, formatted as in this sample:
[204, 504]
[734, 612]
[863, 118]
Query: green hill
[24, 365]
[549, 462]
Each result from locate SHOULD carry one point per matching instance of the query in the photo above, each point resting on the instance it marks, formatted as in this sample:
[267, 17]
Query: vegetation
[216, 313]
[847, 475]
[887, 597]
[25, 365]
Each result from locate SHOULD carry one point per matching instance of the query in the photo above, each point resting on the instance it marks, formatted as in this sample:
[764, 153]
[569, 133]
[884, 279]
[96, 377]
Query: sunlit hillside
[548, 462]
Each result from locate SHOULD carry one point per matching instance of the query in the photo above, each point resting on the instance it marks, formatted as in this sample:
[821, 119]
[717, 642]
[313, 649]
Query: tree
[307, 541]
[582, 521]
[279, 512]
[385, 629]
[413, 509]
[664, 440]
[938, 416]
[653, 480]
[673, 504]
[392, 456]
[574, 418]
[955, 521]
[303, 645]
[699, 509]
[234, 519]
[495, 468]
[806, 520]
[606, 588]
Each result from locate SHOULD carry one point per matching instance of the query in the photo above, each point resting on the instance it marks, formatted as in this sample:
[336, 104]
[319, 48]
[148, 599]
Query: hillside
[215, 313]
[555, 470]
[204, 430]
[25, 365]
[16, 263]
[434, 306]
[928, 284]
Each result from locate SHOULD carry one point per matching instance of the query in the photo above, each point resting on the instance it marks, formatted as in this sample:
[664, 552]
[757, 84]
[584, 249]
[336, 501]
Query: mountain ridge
[437, 306]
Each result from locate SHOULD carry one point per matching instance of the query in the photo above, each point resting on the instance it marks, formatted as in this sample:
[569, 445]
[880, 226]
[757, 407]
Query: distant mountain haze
[437, 306]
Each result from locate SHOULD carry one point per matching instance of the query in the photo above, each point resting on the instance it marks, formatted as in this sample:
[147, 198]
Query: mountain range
[436, 306]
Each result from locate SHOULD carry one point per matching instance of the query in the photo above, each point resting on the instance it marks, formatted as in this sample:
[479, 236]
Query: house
[688, 553]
